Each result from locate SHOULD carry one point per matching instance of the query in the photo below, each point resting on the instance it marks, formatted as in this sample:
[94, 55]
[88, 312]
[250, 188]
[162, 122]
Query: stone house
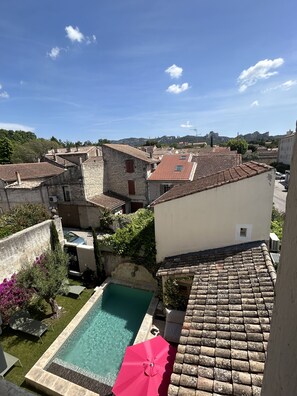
[126, 173]
[185, 167]
[285, 148]
[227, 208]
[25, 183]
[173, 169]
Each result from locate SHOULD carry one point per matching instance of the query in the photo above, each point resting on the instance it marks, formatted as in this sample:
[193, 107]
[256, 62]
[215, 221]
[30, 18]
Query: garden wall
[24, 246]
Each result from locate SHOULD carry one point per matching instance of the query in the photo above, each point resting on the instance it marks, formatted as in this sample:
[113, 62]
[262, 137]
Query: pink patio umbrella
[146, 369]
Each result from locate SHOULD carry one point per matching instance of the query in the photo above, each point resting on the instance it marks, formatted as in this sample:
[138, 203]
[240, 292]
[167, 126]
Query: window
[131, 187]
[129, 166]
[66, 193]
[183, 157]
[165, 187]
[179, 168]
[243, 232]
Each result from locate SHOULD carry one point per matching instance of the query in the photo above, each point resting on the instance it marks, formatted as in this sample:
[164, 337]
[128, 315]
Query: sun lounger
[22, 321]
[7, 361]
[75, 290]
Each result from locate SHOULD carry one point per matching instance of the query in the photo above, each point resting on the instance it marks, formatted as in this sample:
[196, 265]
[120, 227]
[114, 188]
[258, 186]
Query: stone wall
[24, 246]
[116, 178]
[92, 171]
[72, 178]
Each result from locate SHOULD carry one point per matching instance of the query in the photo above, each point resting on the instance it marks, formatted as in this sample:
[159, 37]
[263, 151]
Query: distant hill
[255, 137]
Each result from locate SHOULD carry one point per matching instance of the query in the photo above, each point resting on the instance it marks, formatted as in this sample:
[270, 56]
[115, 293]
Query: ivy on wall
[136, 239]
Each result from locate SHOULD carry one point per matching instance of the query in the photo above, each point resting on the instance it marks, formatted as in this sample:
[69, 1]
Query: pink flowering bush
[12, 297]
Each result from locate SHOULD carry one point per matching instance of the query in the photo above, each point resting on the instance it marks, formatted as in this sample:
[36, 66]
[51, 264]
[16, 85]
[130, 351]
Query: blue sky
[134, 68]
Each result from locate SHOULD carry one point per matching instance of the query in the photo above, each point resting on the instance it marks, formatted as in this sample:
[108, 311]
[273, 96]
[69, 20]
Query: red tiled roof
[134, 152]
[223, 342]
[107, 201]
[218, 179]
[29, 171]
[208, 164]
[167, 169]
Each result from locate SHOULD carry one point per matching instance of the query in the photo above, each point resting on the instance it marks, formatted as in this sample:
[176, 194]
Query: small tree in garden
[101, 275]
[55, 242]
[46, 277]
[12, 297]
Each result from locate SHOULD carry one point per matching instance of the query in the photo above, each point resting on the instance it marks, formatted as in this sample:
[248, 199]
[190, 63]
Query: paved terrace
[223, 344]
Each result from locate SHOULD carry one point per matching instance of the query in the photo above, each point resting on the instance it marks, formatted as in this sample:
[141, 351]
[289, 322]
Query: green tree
[46, 277]
[101, 275]
[32, 151]
[277, 222]
[6, 150]
[21, 217]
[54, 237]
[238, 144]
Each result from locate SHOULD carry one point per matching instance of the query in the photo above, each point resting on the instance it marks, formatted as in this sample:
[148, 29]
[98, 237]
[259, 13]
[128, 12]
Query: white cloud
[3, 94]
[174, 71]
[177, 89]
[54, 52]
[286, 86]
[187, 125]
[255, 104]
[91, 40]
[15, 127]
[74, 34]
[260, 71]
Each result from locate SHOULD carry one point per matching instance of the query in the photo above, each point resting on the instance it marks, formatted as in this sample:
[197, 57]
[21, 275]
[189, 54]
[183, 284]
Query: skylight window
[183, 157]
[179, 168]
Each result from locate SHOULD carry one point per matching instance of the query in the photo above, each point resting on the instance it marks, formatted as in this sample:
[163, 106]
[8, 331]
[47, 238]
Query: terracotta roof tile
[208, 164]
[167, 169]
[107, 201]
[225, 331]
[231, 175]
[29, 171]
[134, 152]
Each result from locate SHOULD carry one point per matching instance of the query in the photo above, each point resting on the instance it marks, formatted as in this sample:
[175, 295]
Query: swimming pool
[97, 346]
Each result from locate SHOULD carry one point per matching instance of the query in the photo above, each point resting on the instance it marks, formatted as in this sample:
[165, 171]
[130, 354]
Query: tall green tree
[46, 277]
[238, 144]
[6, 150]
[101, 275]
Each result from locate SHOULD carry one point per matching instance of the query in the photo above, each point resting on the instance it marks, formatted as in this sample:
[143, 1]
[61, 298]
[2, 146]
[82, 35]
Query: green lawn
[29, 349]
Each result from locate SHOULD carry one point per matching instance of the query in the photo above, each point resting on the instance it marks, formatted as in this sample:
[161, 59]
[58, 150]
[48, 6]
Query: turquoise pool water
[97, 346]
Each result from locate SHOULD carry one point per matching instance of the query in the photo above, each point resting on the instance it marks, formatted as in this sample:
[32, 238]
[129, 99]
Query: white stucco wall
[213, 218]
[285, 149]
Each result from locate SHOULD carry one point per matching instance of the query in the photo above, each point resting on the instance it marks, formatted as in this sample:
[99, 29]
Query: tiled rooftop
[208, 164]
[240, 172]
[29, 171]
[167, 169]
[134, 152]
[107, 201]
[223, 344]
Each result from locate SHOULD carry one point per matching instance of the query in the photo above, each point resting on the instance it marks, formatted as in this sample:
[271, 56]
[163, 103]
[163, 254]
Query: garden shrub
[137, 239]
[277, 222]
[21, 217]
[12, 297]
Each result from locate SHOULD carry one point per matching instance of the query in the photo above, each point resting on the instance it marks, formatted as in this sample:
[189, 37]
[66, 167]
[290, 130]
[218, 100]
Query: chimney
[80, 160]
[18, 177]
